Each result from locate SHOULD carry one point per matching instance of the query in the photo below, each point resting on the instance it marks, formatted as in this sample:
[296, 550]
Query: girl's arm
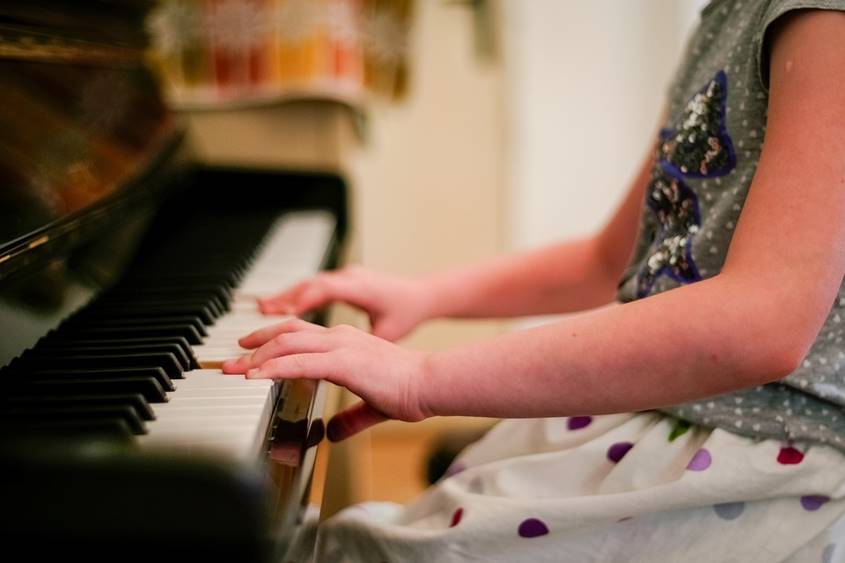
[751, 324]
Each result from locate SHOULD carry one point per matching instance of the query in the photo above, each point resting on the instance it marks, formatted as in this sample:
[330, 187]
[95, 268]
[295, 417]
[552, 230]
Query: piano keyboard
[141, 361]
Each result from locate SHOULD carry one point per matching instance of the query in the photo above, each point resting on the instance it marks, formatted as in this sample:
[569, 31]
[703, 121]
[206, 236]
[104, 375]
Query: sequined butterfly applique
[699, 146]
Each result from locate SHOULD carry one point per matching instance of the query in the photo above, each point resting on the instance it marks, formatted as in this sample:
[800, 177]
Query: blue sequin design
[698, 146]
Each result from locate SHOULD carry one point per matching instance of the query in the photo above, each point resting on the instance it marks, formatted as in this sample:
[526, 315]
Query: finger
[356, 418]
[309, 365]
[263, 335]
[282, 306]
[303, 297]
[260, 337]
[330, 288]
[325, 289]
[284, 302]
[282, 345]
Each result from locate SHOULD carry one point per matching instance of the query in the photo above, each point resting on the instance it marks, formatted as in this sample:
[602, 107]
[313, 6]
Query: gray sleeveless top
[706, 157]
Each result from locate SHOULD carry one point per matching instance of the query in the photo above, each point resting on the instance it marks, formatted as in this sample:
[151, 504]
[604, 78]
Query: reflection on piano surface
[127, 273]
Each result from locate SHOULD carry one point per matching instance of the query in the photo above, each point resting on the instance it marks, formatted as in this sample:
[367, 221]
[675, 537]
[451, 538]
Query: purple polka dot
[454, 469]
[531, 528]
[700, 461]
[578, 422]
[617, 451]
[827, 554]
[813, 502]
[729, 510]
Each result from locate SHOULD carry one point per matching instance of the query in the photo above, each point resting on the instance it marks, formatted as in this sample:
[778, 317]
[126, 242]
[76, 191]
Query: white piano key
[238, 443]
[210, 411]
[203, 425]
[167, 413]
[192, 426]
[254, 400]
[210, 392]
[211, 350]
[210, 356]
[223, 381]
[295, 250]
[244, 304]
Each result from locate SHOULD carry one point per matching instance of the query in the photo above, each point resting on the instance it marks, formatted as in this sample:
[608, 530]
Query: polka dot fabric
[593, 491]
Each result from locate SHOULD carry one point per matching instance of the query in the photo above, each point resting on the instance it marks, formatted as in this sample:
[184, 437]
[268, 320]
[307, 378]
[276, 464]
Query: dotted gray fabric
[706, 158]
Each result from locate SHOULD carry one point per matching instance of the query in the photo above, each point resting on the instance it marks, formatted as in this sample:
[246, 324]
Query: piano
[128, 270]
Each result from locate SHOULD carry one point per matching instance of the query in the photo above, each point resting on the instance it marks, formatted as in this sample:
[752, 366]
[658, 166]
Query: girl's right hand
[395, 305]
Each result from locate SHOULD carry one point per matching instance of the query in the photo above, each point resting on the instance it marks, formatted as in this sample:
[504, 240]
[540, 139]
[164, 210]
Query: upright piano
[127, 272]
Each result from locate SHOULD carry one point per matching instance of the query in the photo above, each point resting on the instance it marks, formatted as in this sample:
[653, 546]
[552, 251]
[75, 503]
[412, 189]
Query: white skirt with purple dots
[641, 487]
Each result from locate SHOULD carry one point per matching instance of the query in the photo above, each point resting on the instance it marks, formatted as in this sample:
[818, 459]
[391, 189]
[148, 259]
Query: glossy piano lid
[84, 30]
[82, 122]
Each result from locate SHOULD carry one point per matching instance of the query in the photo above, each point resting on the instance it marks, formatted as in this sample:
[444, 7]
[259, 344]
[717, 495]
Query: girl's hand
[395, 305]
[385, 375]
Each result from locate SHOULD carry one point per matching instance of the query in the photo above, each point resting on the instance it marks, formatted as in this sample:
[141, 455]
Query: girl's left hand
[385, 375]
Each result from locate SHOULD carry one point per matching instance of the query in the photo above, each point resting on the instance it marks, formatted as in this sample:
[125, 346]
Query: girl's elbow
[777, 359]
[778, 365]
[770, 342]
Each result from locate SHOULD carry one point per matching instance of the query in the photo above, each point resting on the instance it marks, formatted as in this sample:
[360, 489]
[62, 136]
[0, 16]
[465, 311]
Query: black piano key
[213, 293]
[148, 387]
[30, 417]
[119, 319]
[229, 279]
[142, 309]
[95, 373]
[116, 343]
[74, 362]
[76, 350]
[150, 331]
[135, 401]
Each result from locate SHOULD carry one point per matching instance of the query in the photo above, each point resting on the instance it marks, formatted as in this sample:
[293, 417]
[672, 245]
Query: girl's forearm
[557, 279]
[659, 351]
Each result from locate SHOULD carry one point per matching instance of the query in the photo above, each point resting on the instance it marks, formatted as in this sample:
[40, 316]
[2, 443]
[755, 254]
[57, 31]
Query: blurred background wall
[584, 84]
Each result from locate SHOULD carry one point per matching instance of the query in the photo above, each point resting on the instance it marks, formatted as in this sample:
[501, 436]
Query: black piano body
[102, 207]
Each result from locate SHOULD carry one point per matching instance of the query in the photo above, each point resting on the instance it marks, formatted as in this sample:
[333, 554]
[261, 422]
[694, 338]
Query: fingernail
[253, 372]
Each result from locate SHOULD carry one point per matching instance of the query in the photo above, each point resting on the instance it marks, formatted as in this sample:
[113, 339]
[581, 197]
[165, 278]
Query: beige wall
[585, 83]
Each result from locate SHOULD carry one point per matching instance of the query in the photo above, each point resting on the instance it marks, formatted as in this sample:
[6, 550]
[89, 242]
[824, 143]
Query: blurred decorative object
[224, 53]
[484, 18]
